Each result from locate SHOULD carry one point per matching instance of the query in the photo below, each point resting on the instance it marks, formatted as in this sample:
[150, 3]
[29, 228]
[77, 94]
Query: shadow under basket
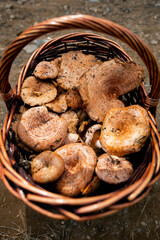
[107, 199]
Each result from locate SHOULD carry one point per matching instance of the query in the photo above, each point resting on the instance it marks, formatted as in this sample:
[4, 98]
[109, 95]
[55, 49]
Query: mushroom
[46, 70]
[84, 120]
[71, 138]
[90, 133]
[41, 130]
[113, 169]
[47, 167]
[92, 186]
[36, 92]
[58, 105]
[73, 65]
[79, 164]
[83, 126]
[74, 99]
[125, 130]
[102, 84]
[72, 120]
[70, 99]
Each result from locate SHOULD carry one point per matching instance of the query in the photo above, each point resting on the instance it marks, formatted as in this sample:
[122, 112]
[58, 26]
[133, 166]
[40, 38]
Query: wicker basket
[18, 182]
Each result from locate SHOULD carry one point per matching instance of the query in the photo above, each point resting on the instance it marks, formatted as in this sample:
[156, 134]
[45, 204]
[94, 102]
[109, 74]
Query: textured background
[17, 221]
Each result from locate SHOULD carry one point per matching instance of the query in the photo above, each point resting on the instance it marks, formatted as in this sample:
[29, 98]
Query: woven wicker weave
[18, 182]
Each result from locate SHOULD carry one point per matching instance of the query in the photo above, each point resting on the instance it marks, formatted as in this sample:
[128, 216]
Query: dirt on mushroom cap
[125, 130]
[102, 84]
[36, 92]
[41, 130]
[79, 163]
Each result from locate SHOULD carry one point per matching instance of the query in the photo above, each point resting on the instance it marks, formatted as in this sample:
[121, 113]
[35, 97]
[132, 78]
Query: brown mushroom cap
[47, 167]
[41, 130]
[58, 105]
[79, 163]
[72, 120]
[46, 70]
[113, 170]
[102, 84]
[73, 99]
[73, 65]
[125, 130]
[36, 92]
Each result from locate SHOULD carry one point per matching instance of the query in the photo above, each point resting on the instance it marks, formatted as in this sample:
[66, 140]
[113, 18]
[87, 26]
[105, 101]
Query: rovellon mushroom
[73, 65]
[92, 137]
[58, 105]
[41, 130]
[36, 92]
[112, 169]
[92, 186]
[46, 70]
[90, 133]
[102, 84]
[79, 164]
[72, 120]
[73, 99]
[71, 138]
[47, 167]
[125, 130]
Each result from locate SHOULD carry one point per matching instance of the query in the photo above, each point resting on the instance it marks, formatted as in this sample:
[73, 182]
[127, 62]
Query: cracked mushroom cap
[47, 167]
[113, 169]
[125, 130]
[73, 65]
[36, 92]
[102, 84]
[46, 70]
[41, 130]
[79, 164]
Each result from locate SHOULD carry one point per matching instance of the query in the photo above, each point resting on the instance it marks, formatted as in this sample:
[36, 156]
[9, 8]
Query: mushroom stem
[90, 133]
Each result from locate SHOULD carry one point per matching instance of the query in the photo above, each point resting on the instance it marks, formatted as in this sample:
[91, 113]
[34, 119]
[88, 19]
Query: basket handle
[82, 22]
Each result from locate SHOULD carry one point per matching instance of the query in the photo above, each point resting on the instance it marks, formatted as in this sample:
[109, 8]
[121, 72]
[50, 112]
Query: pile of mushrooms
[75, 125]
